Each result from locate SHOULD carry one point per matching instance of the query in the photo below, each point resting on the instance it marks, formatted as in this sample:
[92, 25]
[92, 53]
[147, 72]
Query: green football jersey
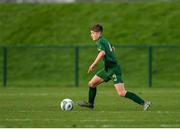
[110, 58]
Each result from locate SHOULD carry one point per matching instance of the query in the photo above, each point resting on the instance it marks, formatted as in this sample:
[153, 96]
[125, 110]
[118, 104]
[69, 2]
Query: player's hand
[91, 68]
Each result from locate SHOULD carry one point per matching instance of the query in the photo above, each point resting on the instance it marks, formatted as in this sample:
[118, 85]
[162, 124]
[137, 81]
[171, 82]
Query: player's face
[95, 35]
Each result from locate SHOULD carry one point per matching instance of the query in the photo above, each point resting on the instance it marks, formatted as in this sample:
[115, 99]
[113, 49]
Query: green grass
[39, 107]
[124, 23]
[23, 104]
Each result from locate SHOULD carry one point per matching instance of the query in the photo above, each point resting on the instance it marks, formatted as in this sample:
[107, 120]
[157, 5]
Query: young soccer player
[111, 71]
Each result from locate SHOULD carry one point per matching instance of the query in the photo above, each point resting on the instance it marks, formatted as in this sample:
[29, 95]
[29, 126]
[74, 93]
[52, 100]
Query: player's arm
[100, 55]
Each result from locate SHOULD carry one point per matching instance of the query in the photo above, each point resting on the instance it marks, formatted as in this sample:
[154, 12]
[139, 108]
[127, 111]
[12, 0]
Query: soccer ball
[66, 105]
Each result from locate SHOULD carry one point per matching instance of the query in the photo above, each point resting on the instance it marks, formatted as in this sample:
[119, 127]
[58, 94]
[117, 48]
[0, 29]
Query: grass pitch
[132, 23]
[39, 107]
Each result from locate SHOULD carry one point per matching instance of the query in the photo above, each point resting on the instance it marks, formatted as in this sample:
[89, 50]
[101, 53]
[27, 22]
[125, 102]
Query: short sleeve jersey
[104, 45]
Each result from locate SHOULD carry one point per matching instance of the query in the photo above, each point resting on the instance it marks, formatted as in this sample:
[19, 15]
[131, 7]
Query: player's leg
[123, 93]
[120, 89]
[93, 83]
[99, 78]
[119, 86]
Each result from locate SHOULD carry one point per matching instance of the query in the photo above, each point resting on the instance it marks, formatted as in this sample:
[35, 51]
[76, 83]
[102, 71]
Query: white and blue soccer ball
[67, 104]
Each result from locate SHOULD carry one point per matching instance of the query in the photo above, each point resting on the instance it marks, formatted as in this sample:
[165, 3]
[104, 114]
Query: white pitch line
[107, 126]
[101, 120]
[26, 94]
[34, 111]
[105, 120]
[108, 112]
[169, 125]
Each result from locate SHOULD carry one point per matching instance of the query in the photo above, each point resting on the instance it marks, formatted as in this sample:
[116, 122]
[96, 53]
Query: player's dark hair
[97, 28]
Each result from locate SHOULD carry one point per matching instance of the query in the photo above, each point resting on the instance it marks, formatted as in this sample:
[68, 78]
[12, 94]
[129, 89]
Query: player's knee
[122, 94]
[90, 84]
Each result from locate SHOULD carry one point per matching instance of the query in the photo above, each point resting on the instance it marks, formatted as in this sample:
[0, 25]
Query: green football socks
[92, 95]
[130, 95]
[134, 97]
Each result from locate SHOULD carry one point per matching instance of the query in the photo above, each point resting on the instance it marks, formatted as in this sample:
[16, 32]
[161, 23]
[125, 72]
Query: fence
[73, 51]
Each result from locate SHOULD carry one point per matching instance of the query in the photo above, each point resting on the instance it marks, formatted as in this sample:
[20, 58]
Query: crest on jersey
[114, 77]
[99, 49]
